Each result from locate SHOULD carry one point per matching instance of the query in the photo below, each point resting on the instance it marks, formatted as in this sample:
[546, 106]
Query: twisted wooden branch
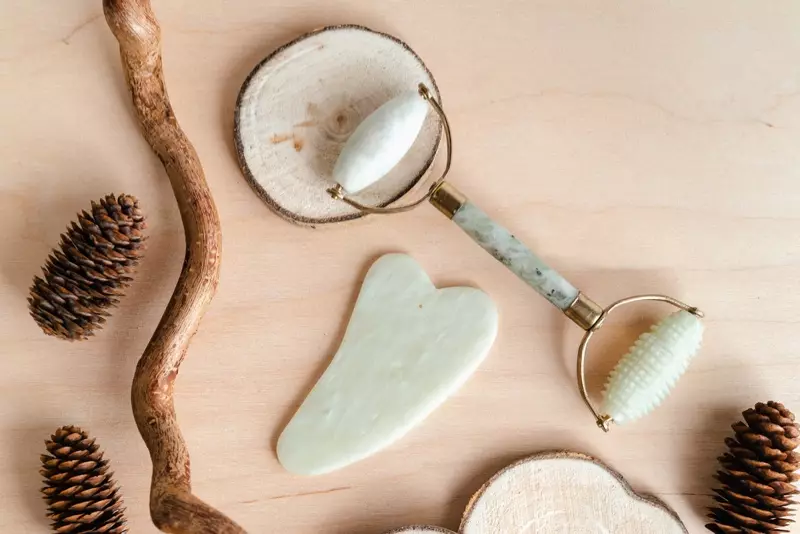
[173, 508]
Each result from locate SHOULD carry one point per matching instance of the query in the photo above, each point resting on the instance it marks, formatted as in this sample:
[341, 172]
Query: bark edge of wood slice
[491, 509]
[421, 529]
[299, 105]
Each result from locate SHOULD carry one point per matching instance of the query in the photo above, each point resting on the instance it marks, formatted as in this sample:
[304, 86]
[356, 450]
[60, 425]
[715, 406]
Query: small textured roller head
[646, 374]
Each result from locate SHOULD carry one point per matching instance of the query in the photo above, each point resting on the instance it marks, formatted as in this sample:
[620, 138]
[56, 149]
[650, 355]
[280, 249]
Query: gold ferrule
[604, 422]
[447, 199]
[337, 192]
[584, 312]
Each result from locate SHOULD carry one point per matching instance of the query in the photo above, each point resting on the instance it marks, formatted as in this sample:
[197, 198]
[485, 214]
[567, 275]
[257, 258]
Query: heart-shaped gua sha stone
[408, 347]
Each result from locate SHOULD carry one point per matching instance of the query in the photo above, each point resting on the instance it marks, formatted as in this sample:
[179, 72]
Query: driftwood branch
[173, 508]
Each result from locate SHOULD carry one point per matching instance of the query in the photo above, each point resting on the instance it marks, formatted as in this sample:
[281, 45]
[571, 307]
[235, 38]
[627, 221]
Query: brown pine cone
[758, 472]
[83, 279]
[81, 495]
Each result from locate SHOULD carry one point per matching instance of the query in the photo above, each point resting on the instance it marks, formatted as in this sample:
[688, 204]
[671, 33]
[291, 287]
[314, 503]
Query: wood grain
[638, 147]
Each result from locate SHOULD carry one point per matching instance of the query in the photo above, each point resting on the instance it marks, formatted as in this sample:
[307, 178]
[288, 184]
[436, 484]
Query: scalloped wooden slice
[559, 492]
[300, 105]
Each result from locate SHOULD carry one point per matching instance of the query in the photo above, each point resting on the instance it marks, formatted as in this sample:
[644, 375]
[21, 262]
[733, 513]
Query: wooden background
[640, 147]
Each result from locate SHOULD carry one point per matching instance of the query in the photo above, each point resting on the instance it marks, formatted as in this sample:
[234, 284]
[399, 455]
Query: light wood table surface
[639, 147]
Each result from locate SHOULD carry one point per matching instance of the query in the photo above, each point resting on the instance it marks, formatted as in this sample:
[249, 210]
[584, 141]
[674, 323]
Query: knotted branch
[173, 508]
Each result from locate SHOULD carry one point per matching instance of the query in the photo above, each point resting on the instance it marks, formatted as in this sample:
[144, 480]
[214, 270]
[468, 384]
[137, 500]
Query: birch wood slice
[561, 492]
[299, 106]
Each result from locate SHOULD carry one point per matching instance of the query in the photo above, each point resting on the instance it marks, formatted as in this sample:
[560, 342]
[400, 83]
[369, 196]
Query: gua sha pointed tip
[647, 373]
[380, 142]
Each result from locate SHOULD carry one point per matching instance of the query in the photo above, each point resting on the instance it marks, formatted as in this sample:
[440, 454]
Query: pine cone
[82, 496]
[84, 278]
[758, 473]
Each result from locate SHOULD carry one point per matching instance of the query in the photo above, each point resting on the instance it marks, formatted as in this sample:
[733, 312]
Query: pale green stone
[512, 253]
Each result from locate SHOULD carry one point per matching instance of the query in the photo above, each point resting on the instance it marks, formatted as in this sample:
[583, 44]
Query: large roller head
[380, 142]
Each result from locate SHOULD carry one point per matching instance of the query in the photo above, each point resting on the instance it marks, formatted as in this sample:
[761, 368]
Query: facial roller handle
[506, 248]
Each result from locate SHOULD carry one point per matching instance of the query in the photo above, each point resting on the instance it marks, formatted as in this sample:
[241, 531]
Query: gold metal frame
[339, 193]
[604, 420]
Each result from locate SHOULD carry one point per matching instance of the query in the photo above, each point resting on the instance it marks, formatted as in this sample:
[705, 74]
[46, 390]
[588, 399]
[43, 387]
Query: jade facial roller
[642, 378]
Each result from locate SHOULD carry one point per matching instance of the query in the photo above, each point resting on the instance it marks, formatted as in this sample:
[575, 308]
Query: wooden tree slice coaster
[558, 492]
[299, 106]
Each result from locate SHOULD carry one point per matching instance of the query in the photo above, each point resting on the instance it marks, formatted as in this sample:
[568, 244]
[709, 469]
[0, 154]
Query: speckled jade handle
[512, 253]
